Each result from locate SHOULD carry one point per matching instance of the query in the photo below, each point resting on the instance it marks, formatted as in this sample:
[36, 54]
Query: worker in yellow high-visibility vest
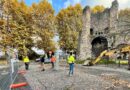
[71, 61]
[26, 61]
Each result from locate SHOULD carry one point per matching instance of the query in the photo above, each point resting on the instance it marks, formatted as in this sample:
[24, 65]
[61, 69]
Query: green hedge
[104, 61]
[123, 62]
[79, 61]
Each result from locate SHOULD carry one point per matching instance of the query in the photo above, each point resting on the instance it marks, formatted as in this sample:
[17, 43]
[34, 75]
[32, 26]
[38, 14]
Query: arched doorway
[99, 44]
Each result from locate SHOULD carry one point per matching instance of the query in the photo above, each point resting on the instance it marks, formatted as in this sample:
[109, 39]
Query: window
[106, 30]
[91, 31]
[101, 32]
[96, 33]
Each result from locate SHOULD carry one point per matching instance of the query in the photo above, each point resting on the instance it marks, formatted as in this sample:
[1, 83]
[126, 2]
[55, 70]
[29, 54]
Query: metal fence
[8, 75]
[9, 72]
[4, 78]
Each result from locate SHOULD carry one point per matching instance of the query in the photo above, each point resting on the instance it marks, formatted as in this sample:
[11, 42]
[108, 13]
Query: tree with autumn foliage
[124, 22]
[124, 18]
[69, 23]
[125, 14]
[43, 15]
[23, 22]
[19, 26]
[98, 9]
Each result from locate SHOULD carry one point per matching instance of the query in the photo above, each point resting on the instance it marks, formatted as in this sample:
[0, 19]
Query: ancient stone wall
[106, 24]
[1, 9]
[100, 21]
[84, 40]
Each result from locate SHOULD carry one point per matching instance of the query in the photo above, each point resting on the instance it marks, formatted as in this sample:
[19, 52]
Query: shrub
[79, 61]
[104, 61]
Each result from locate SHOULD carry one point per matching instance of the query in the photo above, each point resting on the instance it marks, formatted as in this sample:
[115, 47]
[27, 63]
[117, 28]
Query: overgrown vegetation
[79, 61]
[104, 61]
[23, 22]
[69, 23]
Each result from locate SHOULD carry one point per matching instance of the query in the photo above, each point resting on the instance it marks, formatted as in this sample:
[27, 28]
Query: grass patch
[123, 62]
[3, 62]
[79, 61]
[106, 62]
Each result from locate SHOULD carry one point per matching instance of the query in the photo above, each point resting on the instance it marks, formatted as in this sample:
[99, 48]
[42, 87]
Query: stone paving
[84, 78]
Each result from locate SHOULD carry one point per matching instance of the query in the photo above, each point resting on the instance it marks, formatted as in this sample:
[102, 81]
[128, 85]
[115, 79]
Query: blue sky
[59, 4]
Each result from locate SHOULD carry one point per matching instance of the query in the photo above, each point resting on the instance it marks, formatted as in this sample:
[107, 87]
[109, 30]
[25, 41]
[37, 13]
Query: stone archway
[99, 44]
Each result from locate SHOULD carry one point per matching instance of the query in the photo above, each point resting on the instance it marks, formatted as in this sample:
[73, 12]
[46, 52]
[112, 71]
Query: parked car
[46, 60]
[37, 60]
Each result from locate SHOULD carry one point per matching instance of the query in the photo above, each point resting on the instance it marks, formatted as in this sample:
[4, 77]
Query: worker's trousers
[71, 68]
[27, 65]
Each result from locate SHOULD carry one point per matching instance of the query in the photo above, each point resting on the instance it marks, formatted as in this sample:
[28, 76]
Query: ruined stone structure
[101, 31]
[1, 10]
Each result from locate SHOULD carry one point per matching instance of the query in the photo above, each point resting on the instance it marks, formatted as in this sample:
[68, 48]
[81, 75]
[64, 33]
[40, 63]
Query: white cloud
[124, 4]
[67, 3]
[106, 3]
[124, 1]
[71, 2]
[76, 1]
[50, 1]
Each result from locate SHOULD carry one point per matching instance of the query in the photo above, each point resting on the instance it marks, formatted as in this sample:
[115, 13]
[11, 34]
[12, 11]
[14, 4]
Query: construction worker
[26, 62]
[71, 61]
[53, 59]
[42, 60]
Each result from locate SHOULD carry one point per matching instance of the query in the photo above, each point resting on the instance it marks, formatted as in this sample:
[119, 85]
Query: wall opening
[99, 44]
[101, 32]
[106, 30]
[91, 31]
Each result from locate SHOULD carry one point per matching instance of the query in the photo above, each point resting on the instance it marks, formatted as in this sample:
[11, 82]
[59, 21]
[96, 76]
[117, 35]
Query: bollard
[18, 85]
[21, 71]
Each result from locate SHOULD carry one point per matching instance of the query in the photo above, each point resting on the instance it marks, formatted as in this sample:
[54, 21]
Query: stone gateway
[101, 31]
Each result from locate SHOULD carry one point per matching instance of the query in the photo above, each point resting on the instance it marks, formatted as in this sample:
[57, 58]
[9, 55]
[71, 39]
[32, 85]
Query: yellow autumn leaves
[39, 20]
[23, 22]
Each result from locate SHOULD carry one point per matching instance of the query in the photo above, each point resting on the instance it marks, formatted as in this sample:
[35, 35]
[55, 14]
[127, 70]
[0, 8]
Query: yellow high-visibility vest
[25, 59]
[71, 59]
